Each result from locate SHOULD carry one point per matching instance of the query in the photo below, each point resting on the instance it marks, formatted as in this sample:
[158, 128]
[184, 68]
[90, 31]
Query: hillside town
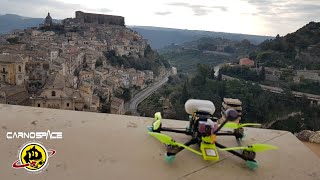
[64, 66]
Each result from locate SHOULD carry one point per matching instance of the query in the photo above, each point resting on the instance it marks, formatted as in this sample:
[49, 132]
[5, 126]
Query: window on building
[68, 104]
[53, 93]
[19, 68]
[3, 69]
[38, 105]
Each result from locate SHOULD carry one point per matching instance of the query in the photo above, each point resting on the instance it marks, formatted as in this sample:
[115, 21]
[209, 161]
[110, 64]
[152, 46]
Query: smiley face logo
[33, 157]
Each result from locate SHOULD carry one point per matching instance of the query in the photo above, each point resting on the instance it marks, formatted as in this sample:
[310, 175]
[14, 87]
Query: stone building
[82, 17]
[86, 75]
[48, 20]
[310, 75]
[57, 96]
[90, 60]
[174, 70]
[12, 68]
[16, 95]
[86, 90]
[95, 103]
[37, 73]
[117, 106]
[149, 77]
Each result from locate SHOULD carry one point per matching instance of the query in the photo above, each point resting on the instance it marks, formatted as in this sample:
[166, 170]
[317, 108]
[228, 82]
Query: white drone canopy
[197, 105]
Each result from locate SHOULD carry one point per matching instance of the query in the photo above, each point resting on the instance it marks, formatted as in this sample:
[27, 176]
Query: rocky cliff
[311, 136]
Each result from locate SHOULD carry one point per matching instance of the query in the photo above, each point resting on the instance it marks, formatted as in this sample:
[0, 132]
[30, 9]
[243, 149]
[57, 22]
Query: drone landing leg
[248, 156]
[170, 156]
[191, 142]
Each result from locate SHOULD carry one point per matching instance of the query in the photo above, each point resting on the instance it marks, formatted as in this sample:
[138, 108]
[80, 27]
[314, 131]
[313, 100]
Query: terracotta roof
[246, 61]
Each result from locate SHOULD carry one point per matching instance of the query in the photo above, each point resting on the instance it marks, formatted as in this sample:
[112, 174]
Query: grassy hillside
[300, 49]
[209, 51]
[186, 60]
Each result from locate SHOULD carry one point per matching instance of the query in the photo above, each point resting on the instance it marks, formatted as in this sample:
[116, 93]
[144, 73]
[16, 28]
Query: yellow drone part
[206, 139]
[156, 125]
[157, 116]
[209, 152]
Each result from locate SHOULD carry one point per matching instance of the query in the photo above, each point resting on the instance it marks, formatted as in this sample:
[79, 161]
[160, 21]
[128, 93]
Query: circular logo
[33, 157]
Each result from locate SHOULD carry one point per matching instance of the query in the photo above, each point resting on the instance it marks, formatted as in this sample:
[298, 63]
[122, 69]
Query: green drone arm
[165, 139]
[234, 125]
[254, 148]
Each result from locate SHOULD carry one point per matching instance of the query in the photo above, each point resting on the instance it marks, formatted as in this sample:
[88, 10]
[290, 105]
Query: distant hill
[298, 50]
[206, 50]
[161, 37]
[10, 22]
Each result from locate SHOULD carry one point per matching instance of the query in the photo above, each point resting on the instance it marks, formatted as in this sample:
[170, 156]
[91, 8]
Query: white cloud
[164, 13]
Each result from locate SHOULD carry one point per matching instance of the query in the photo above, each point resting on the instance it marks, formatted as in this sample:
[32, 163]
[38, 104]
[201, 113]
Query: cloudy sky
[261, 17]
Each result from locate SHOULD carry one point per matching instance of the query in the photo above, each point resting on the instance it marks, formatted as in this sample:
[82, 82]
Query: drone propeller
[165, 139]
[234, 125]
[156, 124]
[157, 116]
[157, 121]
[254, 148]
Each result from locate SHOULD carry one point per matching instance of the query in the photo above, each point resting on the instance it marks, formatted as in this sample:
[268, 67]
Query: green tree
[105, 108]
[184, 94]
[262, 74]
[170, 79]
[14, 40]
[126, 94]
[76, 72]
[98, 63]
[211, 75]
[219, 78]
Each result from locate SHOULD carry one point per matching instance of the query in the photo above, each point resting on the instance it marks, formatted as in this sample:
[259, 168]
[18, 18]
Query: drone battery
[209, 152]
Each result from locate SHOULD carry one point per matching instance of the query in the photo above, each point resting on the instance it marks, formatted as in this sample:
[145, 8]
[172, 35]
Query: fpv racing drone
[204, 129]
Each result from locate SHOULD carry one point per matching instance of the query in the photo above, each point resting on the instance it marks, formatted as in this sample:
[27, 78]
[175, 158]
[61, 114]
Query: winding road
[138, 98]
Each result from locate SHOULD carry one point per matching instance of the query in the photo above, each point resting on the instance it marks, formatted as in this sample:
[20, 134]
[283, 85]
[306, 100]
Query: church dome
[48, 20]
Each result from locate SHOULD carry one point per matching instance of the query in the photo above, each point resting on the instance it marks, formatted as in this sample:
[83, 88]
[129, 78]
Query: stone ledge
[106, 146]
